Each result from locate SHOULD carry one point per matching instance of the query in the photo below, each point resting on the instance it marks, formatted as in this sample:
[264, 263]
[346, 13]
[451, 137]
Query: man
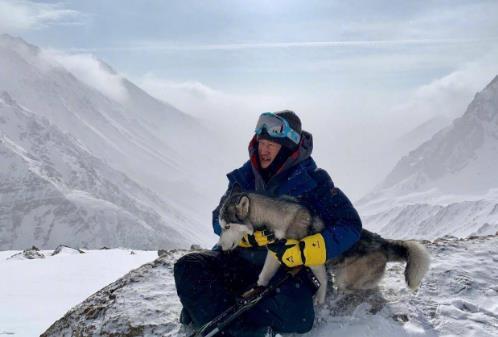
[280, 164]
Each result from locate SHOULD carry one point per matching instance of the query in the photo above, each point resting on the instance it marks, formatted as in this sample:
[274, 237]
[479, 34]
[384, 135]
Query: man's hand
[310, 251]
[258, 239]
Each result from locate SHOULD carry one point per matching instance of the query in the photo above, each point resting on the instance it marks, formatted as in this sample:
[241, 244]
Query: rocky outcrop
[66, 250]
[31, 253]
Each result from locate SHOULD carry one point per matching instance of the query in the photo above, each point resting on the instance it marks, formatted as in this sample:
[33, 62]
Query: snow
[83, 165]
[447, 185]
[458, 297]
[54, 191]
[432, 214]
[34, 293]
[150, 148]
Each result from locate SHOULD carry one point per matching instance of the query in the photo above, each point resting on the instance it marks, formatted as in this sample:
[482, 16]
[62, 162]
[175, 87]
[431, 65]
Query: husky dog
[360, 267]
[243, 213]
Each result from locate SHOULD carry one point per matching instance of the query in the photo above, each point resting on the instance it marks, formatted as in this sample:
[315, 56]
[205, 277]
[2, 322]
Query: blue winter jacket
[313, 188]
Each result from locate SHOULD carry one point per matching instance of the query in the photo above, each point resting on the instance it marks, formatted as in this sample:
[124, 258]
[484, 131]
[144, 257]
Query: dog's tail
[416, 256]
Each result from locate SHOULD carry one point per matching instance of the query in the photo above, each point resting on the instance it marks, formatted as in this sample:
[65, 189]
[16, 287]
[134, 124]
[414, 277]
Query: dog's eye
[227, 226]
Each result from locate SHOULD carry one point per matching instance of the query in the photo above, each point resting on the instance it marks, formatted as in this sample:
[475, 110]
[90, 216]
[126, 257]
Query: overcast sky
[359, 73]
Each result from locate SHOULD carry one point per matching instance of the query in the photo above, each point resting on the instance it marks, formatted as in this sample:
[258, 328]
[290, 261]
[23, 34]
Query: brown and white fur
[360, 267]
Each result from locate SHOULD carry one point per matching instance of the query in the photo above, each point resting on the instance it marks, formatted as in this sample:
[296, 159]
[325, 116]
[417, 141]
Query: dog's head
[235, 208]
[232, 235]
[234, 213]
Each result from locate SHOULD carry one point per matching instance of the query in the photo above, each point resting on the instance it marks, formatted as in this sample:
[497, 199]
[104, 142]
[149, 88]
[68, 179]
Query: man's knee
[298, 318]
[305, 323]
[288, 311]
[193, 262]
[185, 265]
[191, 269]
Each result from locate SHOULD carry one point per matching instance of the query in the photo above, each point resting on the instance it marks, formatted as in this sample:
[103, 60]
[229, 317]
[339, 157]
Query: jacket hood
[302, 153]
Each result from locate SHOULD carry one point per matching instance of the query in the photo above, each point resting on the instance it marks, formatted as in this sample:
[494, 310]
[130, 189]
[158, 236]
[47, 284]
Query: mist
[358, 133]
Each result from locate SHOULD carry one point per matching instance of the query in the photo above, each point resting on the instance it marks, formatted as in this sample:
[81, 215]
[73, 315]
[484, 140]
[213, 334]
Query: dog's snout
[224, 224]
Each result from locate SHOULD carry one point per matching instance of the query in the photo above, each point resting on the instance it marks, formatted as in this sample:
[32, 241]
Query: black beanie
[294, 123]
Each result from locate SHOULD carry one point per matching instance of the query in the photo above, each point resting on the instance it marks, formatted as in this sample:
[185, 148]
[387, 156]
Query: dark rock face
[138, 304]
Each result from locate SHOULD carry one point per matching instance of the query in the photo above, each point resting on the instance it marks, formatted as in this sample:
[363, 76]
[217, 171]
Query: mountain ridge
[143, 141]
[448, 184]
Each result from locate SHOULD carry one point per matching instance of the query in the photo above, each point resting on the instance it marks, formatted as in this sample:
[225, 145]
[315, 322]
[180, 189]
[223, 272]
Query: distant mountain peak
[485, 103]
[9, 38]
[493, 83]
[460, 158]
[17, 43]
[491, 88]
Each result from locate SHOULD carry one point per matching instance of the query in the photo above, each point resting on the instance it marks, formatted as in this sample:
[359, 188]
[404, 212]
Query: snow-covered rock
[29, 254]
[65, 250]
[458, 297]
[447, 185]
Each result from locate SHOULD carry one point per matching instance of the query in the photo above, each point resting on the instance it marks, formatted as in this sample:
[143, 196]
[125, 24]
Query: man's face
[267, 151]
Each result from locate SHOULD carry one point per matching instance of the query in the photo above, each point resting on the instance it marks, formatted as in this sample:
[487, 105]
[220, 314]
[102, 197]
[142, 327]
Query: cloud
[90, 71]
[19, 15]
[162, 46]
[204, 101]
[232, 116]
[340, 146]
[450, 95]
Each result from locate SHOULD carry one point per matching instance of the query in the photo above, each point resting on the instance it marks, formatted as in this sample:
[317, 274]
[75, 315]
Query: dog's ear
[243, 206]
[235, 189]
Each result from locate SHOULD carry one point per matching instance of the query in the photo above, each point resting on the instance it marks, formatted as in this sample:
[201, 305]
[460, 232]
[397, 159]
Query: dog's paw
[319, 298]
[318, 301]
[263, 282]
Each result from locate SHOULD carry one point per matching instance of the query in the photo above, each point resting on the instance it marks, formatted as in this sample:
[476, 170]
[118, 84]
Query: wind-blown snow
[90, 71]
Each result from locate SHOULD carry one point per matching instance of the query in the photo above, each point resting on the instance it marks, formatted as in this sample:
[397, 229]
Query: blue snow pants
[208, 282]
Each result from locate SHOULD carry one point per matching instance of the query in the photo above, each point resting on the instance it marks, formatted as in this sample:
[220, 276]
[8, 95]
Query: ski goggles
[276, 126]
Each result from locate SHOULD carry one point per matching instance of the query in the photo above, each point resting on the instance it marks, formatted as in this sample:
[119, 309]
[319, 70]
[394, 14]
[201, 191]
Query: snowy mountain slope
[53, 191]
[429, 221]
[448, 185]
[420, 134]
[458, 297]
[459, 159]
[150, 141]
